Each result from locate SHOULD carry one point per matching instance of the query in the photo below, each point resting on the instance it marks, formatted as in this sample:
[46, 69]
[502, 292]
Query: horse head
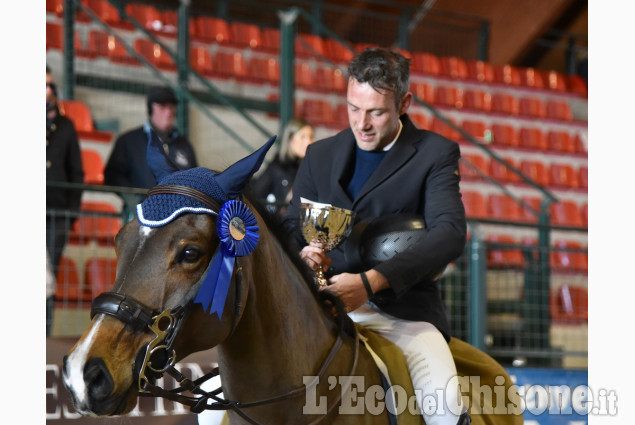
[177, 289]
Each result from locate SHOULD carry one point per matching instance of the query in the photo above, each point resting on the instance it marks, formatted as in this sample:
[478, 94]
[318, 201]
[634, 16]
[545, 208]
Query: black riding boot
[464, 419]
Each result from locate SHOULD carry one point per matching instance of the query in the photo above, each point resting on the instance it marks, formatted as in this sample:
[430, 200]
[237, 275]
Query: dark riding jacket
[419, 175]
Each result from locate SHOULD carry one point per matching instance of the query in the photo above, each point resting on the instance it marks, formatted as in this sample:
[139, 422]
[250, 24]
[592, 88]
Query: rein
[160, 357]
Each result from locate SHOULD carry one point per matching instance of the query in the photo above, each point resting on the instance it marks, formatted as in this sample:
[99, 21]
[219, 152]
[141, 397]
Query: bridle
[158, 356]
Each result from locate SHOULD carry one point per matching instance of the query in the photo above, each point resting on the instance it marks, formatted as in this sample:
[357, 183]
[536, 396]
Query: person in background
[127, 165]
[383, 166]
[274, 184]
[63, 164]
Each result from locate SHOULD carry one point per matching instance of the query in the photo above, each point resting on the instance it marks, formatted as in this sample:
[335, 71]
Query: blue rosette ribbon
[238, 233]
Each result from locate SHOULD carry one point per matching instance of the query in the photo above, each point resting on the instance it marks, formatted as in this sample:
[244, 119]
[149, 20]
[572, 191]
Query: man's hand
[350, 288]
[315, 257]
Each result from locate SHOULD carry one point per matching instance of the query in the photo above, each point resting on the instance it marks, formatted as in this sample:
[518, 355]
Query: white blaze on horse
[198, 268]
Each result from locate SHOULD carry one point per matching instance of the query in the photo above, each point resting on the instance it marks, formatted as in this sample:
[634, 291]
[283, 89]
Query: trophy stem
[320, 279]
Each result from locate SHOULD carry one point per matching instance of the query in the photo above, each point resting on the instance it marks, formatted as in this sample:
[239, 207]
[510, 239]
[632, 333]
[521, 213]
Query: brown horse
[275, 334]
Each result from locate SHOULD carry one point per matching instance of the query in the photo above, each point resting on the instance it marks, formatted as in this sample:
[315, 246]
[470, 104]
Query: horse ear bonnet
[160, 209]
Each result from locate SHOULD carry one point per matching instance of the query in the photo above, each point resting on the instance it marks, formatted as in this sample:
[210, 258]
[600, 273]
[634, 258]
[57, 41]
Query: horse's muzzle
[98, 399]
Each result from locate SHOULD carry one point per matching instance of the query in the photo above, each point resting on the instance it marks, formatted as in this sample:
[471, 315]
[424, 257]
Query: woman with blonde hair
[273, 186]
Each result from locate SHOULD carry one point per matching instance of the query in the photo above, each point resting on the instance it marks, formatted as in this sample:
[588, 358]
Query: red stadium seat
[504, 103]
[507, 74]
[555, 81]
[79, 113]
[68, 288]
[505, 135]
[55, 6]
[469, 162]
[585, 214]
[147, 16]
[478, 100]
[99, 274]
[561, 141]
[569, 305]
[319, 112]
[526, 214]
[531, 77]
[476, 129]
[445, 129]
[480, 71]
[579, 144]
[449, 96]
[264, 70]
[270, 40]
[420, 120]
[208, 29]
[201, 61]
[501, 172]
[230, 65]
[94, 227]
[330, 79]
[504, 257]
[106, 12]
[503, 207]
[55, 38]
[474, 203]
[304, 76]
[423, 91]
[563, 176]
[336, 51]
[309, 46]
[93, 166]
[103, 44]
[170, 22]
[566, 213]
[533, 138]
[454, 67]
[245, 35]
[559, 110]
[575, 84]
[154, 54]
[535, 170]
[565, 258]
[425, 63]
[532, 107]
[583, 177]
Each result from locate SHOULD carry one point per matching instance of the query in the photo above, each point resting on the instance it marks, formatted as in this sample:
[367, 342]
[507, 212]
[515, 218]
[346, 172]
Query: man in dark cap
[128, 165]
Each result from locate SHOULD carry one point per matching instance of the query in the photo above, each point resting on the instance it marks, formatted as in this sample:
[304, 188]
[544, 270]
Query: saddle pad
[398, 374]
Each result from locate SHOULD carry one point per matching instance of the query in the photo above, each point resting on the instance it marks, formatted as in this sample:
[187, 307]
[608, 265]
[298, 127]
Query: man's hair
[383, 70]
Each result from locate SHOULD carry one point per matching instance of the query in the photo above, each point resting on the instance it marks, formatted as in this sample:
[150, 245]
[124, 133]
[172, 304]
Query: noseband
[159, 355]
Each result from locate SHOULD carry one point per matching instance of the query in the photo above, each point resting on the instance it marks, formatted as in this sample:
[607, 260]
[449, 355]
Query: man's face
[163, 116]
[373, 116]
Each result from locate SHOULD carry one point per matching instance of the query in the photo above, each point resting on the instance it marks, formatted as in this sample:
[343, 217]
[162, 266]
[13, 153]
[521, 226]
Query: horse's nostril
[98, 379]
[65, 366]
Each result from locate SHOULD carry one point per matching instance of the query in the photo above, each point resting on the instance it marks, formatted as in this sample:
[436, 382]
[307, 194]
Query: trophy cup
[325, 227]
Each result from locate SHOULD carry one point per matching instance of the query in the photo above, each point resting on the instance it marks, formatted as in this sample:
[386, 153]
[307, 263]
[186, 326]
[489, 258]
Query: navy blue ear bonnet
[161, 208]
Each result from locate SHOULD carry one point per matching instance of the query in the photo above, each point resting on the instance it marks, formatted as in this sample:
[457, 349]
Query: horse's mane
[332, 305]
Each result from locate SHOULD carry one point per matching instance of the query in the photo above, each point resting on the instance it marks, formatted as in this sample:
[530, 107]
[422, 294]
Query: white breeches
[429, 359]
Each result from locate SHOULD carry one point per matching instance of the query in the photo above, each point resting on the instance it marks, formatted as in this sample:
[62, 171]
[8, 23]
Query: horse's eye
[190, 255]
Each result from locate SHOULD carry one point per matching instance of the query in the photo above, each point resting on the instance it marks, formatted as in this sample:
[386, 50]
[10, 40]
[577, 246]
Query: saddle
[477, 371]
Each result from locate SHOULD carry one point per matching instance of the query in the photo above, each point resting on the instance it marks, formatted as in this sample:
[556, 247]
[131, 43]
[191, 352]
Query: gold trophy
[325, 227]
